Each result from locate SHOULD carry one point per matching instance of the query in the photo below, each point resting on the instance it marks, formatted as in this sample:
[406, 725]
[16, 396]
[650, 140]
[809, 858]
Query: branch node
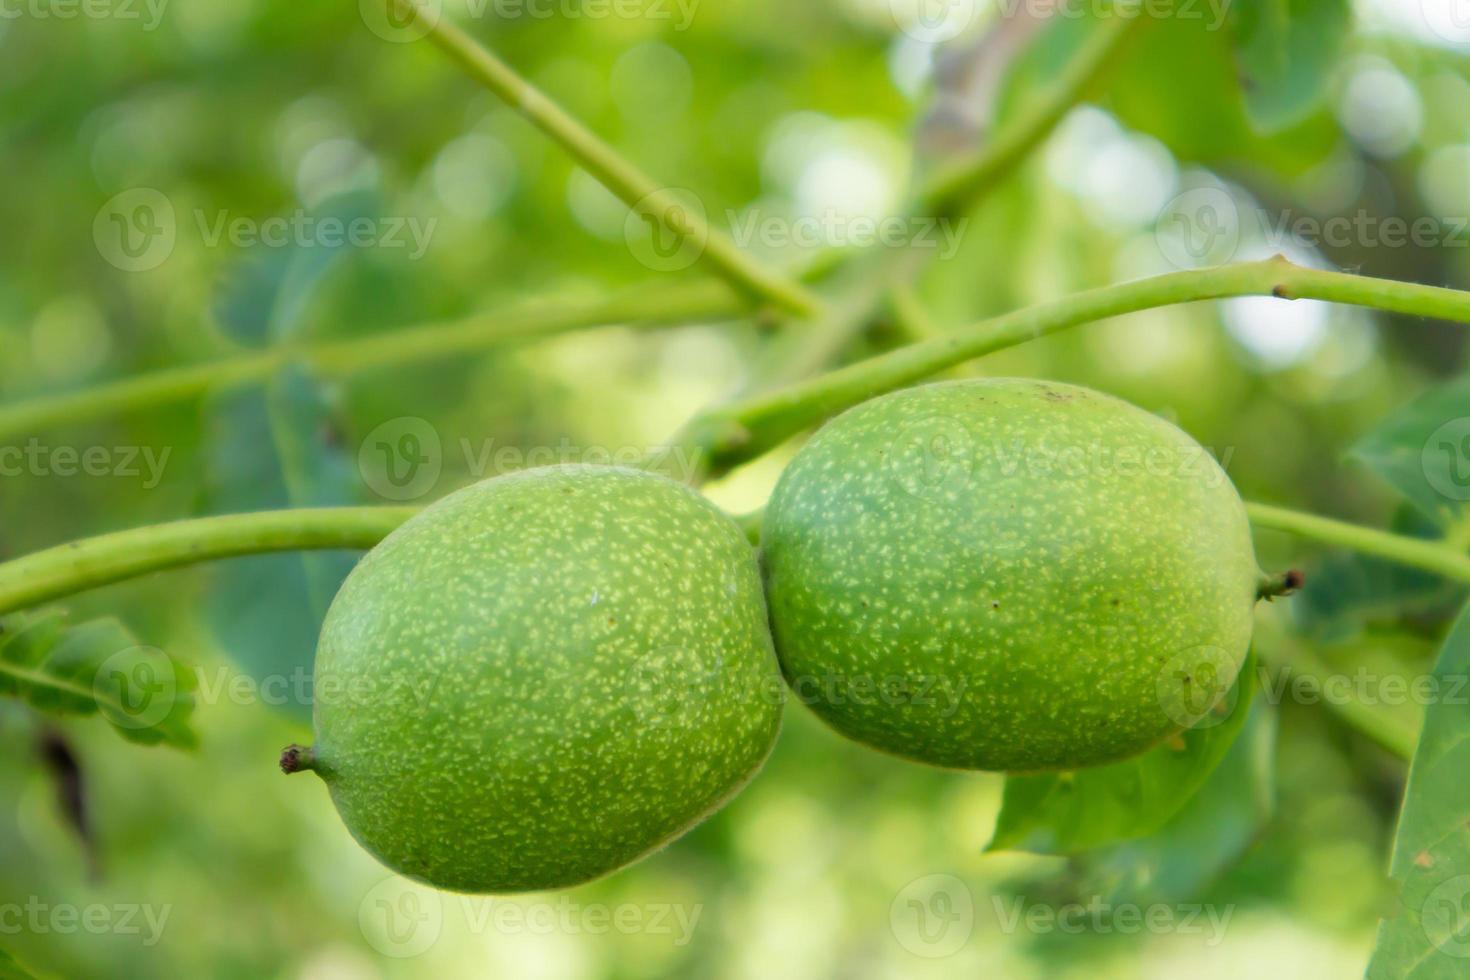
[297, 758]
[1281, 584]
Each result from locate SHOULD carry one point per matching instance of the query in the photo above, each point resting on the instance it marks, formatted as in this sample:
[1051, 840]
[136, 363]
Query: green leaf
[1182, 85]
[1208, 835]
[11, 970]
[276, 448]
[266, 298]
[1286, 50]
[1423, 451]
[1345, 591]
[1429, 936]
[97, 667]
[1064, 813]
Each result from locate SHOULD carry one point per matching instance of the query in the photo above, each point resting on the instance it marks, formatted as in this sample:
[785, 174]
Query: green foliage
[97, 667]
[1344, 592]
[1423, 938]
[11, 970]
[1286, 51]
[276, 447]
[1422, 451]
[763, 106]
[1066, 813]
[1219, 822]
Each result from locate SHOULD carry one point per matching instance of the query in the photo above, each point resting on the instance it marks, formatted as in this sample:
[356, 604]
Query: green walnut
[542, 678]
[1008, 575]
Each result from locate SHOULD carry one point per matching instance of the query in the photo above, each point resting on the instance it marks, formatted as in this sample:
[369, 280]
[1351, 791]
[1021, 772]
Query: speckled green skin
[556, 671]
[940, 590]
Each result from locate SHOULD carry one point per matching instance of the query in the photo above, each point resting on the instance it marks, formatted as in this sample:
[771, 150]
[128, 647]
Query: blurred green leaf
[1423, 452]
[1286, 50]
[275, 448]
[97, 667]
[1426, 939]
[1064, 813]
[1345, 591]
[1209, 834]
[265, 299]
[11, 970]
[1182, 85]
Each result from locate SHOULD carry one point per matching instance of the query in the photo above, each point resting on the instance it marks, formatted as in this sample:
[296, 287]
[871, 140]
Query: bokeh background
[251, 111]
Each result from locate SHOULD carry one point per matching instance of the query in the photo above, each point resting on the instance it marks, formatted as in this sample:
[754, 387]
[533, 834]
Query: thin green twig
[58, 572]
[1432, 556]
[957, 185]
[81, 565]
[734, 433]
[635, 188]
[664, 304]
